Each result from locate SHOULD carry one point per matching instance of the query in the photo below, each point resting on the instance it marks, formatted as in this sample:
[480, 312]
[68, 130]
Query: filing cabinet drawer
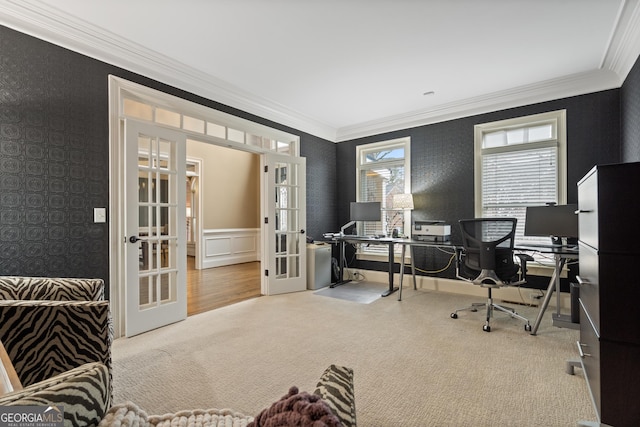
[619, 317]
[589, 282]
[589, 350]
[588, 209]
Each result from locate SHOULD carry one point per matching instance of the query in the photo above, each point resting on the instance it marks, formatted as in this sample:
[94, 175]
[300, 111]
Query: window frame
[559, 140]
[361, 164]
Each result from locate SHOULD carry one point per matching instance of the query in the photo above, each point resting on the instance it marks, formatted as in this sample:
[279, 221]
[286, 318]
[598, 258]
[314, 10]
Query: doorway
[223, 226]
[217, 287]
[128, 100]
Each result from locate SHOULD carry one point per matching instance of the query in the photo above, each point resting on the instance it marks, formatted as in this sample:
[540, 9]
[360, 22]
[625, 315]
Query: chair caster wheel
[454, 315]
[486, 328]
[527, 327]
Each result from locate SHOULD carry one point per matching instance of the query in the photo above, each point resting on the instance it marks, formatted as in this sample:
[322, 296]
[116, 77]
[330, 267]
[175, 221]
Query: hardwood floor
[216, 287]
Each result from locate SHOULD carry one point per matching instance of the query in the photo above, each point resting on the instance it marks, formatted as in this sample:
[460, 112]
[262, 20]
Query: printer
[431, 231]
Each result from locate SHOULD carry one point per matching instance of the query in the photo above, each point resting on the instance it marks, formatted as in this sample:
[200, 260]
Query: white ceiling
[341, 69]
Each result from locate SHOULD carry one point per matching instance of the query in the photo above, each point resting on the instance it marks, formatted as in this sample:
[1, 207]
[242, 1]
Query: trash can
[318, 265]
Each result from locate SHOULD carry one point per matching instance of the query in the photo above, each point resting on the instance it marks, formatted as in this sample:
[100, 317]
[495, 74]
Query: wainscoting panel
[230, 246]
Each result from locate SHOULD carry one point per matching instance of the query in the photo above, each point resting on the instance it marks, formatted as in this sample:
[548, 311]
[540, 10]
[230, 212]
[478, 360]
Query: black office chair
[487, 261]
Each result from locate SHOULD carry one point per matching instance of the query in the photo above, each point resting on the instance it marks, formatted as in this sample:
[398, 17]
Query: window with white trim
[383, 169]
[518, 163]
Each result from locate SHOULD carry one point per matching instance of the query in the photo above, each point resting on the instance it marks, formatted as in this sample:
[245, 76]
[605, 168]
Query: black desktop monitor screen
[365, 211]
[556, 220]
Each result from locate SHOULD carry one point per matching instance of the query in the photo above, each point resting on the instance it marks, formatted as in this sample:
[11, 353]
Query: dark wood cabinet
[609, 346]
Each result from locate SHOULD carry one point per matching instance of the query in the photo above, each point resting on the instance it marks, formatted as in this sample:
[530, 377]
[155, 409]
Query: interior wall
[442, 162]
[54, 164]
[630, 122]
[54, 146]
[230, 185]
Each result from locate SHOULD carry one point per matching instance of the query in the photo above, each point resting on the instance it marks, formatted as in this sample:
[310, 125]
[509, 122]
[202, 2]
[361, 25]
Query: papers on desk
[356, 237]
[331, 235]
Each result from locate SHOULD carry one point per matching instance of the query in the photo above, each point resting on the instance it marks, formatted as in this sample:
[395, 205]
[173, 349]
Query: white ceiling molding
[50, 24]
[624, 46]
[567, 86]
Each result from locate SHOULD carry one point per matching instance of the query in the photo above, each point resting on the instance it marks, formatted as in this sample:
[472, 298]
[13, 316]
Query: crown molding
[624, 45]
[576, 84]
[50, 24]
[620, 56]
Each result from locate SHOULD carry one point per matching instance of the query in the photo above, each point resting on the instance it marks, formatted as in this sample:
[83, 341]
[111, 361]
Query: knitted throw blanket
[297, 409]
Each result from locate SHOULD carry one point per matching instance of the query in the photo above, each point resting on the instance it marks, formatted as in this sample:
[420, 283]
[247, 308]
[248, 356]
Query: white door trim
[118, 88]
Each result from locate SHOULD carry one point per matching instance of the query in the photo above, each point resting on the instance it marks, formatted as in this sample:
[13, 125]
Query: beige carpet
[414, 365]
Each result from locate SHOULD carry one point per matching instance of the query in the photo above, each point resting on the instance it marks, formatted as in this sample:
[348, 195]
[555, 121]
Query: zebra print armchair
[52, 325]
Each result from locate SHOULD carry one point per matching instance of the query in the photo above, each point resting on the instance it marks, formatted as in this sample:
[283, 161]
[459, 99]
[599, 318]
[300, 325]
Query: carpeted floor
[413, 364]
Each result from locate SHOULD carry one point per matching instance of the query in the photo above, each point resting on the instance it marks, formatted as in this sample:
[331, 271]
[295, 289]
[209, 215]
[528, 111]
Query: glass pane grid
[145, 111]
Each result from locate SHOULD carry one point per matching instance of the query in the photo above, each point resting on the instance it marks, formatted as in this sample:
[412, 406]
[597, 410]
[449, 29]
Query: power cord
[453, 256]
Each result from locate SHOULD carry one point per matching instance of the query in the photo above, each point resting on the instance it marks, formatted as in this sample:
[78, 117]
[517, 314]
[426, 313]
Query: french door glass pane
[157, 195]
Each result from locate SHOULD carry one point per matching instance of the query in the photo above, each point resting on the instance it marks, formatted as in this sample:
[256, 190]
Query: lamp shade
[403, 201]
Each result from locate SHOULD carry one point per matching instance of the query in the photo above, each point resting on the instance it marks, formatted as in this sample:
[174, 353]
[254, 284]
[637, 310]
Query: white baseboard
[454, 286]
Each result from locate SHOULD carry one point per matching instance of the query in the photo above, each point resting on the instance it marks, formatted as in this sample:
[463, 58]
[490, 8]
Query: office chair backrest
[488, 244]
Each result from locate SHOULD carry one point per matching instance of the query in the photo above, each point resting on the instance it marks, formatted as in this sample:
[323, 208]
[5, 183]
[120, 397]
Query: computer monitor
[365, 211]
[552, 221]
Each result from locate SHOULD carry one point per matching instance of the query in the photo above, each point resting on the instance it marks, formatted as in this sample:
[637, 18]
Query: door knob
[133, 239]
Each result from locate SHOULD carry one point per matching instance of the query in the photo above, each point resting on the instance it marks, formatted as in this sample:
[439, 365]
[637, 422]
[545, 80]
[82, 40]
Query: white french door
[155, 227]
[284, 208]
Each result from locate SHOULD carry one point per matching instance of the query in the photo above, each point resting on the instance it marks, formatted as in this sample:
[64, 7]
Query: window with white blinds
[382, 171]
[520, 162]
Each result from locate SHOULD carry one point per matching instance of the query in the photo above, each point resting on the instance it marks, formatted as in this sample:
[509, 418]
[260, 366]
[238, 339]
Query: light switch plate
[99, 214]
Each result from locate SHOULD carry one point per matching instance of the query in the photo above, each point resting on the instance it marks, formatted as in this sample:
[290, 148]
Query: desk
[560, 254]
[413, 243]
[390, 242]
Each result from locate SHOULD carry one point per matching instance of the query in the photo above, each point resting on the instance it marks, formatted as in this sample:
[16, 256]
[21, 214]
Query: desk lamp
[401, 203]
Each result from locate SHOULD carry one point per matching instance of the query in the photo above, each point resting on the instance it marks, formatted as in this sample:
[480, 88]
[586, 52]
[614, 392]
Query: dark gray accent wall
[54, 167]
[630, 121]
[54, 164]
[54, 152]
[442, 161]
[321, 186]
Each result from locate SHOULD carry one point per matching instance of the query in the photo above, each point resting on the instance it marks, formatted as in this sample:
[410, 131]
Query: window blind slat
[536, 181]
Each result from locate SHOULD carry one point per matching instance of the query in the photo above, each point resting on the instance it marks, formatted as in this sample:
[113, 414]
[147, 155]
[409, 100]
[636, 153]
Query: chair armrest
[336, 389]
[47, 338]
[83, 393]
[524, 258]
[51, 288]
